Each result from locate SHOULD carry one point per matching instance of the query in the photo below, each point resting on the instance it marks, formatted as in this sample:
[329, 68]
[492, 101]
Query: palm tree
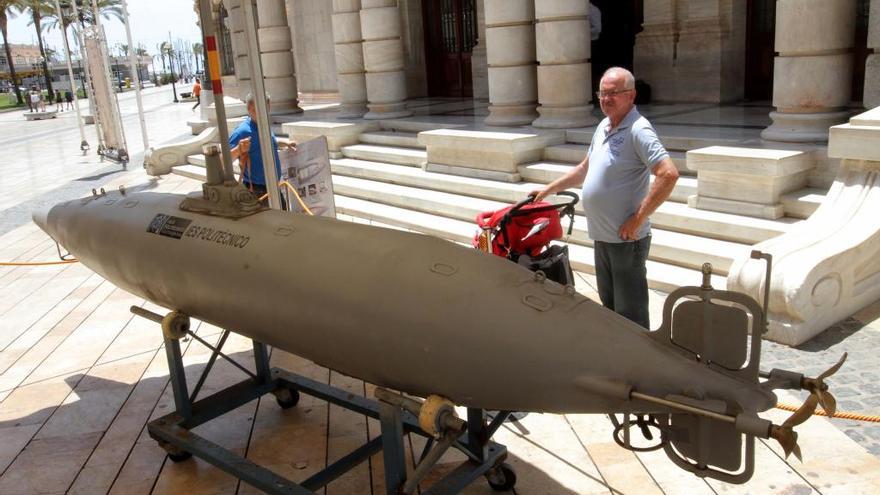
[108, 9]
[40, 9]
[197, 51]
[6, 11]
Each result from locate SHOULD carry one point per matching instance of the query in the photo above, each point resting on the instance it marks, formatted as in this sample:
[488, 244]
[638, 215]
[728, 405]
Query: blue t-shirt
[619, 175]
[255, 174]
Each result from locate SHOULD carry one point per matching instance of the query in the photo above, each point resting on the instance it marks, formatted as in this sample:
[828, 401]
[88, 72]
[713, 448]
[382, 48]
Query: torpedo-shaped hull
[397, 309]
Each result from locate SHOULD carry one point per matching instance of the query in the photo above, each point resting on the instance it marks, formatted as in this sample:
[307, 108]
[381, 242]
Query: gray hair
[629, 81]
[250, 98]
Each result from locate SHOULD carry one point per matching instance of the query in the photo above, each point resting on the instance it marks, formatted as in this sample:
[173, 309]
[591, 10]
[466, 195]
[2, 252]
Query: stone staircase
[382, 179]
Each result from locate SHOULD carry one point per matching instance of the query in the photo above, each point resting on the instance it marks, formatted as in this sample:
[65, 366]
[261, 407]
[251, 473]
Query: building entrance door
[450, 37]
[760, 38]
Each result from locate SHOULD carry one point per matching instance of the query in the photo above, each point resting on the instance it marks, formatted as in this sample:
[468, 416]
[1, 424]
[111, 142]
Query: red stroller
[522, 233]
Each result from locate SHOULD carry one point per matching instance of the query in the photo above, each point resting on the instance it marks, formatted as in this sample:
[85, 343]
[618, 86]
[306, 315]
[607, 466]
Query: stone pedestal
[383, 60]
[872, 65]
[510, 45]
[338, 134]
[562, 33]
[276, 53]
[812, 76]
[826, 268]
[747, 181]
[485, 155]
[349, 58]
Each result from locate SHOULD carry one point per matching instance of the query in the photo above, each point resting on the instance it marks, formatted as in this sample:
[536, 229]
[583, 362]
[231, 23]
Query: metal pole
[135, 66]
[93, 106]
[259, 92]
[212, 76]
[83, 145]
[102, 43]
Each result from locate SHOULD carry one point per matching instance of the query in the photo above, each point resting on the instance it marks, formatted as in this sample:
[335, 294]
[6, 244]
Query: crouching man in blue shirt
[246, 139]
[618, 196]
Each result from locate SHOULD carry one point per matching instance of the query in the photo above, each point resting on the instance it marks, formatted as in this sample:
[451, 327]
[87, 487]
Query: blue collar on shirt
[627, 121]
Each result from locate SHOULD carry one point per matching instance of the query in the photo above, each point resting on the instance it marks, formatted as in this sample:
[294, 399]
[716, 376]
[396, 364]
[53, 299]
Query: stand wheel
[179, 456]
[502, 478]
[286, 397]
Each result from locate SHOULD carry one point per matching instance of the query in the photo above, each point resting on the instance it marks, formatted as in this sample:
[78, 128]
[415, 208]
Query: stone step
[403, 125]
[196, 172]
[567, 152]
[386, 154]
[661, 276]
[674, 138]
[547, 172]
[392, 138]
[574, 153]
[709, 224]
[198, 160]
[681, 249]
[804, 202]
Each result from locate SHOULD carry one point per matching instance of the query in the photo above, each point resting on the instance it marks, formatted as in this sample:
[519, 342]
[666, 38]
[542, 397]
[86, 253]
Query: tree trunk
[3, 25]
[46, 75]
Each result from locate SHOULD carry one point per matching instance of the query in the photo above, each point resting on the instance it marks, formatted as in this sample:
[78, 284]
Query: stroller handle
[531, 198]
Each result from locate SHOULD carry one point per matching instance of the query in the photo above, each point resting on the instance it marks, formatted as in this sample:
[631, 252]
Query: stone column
[479, 70]
[872, 65]
[510, 52]
[349, 58]
[239, 51]
[562, 36]
[812, 77]
[276, 53]
[383, 59]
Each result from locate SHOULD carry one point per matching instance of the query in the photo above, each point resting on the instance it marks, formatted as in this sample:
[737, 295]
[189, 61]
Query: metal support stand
[174, 431]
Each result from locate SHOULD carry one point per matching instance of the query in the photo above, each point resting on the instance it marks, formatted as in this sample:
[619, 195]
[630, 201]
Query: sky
[151, 20]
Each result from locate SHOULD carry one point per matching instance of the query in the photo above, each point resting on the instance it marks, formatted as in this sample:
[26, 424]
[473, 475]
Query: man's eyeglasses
[609, 94]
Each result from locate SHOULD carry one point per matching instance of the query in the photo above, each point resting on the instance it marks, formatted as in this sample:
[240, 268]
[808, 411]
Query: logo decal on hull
[168, 226]
[222, 237]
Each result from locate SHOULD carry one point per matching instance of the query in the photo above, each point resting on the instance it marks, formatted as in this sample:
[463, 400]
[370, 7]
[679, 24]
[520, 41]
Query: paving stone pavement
[856, 385]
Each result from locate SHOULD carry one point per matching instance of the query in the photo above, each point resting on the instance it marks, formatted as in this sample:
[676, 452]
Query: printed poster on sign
[308, 171]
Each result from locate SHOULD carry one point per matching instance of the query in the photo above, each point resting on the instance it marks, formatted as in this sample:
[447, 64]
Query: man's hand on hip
[629, 231]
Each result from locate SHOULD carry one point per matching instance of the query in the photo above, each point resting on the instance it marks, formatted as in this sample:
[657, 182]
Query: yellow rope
[39, 263]
[840, 415]
[298, 198]
[293, 190]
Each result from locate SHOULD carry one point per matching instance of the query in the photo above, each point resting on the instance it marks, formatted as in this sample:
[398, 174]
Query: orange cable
[840, 415]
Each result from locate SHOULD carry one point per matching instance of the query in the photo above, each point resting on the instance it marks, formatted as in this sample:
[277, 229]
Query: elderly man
[245, 139]
[618, 196]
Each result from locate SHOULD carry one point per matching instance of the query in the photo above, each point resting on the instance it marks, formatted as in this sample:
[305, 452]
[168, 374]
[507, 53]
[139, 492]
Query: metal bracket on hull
[174, 433]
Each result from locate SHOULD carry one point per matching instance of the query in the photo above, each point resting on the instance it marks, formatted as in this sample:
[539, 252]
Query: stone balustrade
[827, 267]
[159, 160]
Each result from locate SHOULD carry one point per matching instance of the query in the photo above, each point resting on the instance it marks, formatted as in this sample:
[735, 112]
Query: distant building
[28, 68]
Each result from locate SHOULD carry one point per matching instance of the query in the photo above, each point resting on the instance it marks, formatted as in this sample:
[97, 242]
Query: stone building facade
[534, 62]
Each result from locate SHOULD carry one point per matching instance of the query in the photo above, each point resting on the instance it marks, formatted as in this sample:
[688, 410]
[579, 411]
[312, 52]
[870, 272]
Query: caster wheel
[286, 397]
[179, 456]
[502, 478]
